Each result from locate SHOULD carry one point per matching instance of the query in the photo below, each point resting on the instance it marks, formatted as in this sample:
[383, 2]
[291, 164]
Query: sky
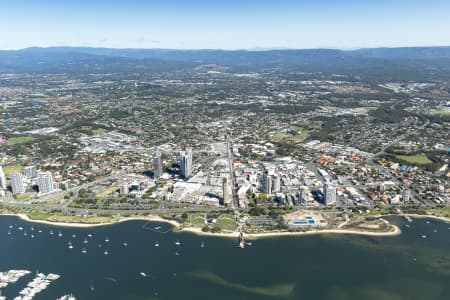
[224, 24]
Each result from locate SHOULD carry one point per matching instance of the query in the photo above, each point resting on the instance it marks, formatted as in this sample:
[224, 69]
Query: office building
[124, 188]
[329, 193]
[405, 195]
[45, 182]
[2, 178]
[30, 172]
[17, 183]
[157, 166]
[186, 162]
[267, 182]
[276, 184]
[303, 194]
[226, 191]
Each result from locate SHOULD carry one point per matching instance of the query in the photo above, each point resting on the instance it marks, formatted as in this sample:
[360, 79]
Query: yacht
[60, 234]
[177, 243]
[70, 245]
[89, 235]
[424, 236]
[156, 244]
[84, 251]
[32, 236]
[25, 233]
[107, 239]
[32, 228]
[106, 252]
[10, 226]
[73, 235]
[125, 244]
[143, 274]
[85, 241]
[20, 228]
[51, 232]
[9, 232]
[39, 231]
[202, 245]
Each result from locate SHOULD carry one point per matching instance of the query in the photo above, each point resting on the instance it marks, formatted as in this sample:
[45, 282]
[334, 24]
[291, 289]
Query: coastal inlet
[148, 260]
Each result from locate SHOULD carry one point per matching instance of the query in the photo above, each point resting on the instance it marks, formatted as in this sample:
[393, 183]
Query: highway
[235, 198]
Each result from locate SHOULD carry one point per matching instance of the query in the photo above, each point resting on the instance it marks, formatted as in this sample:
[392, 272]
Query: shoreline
[417, 216]
[177, 227]
[254, 236]
[151, 218]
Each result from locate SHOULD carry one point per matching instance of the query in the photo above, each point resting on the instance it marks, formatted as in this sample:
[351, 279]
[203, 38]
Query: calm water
[308, 267]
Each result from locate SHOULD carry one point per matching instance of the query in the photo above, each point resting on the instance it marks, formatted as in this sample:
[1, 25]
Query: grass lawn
[52, 201]
[226, 222]
[98, 131]
[287, 138]
[78, 219]
[63, 218]
[23, 196]
[439, 112]
[419, 159]
[445, 211]
[197, 220]
[107, 191]
[11, 169]
[20, 140]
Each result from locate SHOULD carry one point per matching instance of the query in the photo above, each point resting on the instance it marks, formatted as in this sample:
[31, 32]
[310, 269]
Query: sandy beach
[178, 228]
[396, 231]
[86, 225]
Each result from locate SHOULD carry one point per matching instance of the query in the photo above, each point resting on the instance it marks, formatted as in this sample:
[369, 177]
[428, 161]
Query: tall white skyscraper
[226, 191]
[303, 194]
[329, 193]
[267, 182]
[2, 179]
[124, 188]
[276, 183]
[30, 172]
[186, 162]
[405, 195]
[45, 182]
[157, 166]
[17, 183]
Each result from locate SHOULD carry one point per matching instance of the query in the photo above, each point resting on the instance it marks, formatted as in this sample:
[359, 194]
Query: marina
[37, 285]
[11, 276]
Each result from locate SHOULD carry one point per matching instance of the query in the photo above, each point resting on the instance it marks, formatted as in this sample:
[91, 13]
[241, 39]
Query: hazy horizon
[221, 49]
[227, 25]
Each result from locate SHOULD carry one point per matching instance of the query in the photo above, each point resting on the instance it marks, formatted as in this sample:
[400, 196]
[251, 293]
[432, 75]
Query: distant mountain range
[414, 63]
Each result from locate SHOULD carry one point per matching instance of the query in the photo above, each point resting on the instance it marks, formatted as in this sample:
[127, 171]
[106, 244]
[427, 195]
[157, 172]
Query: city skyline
[230, 25]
